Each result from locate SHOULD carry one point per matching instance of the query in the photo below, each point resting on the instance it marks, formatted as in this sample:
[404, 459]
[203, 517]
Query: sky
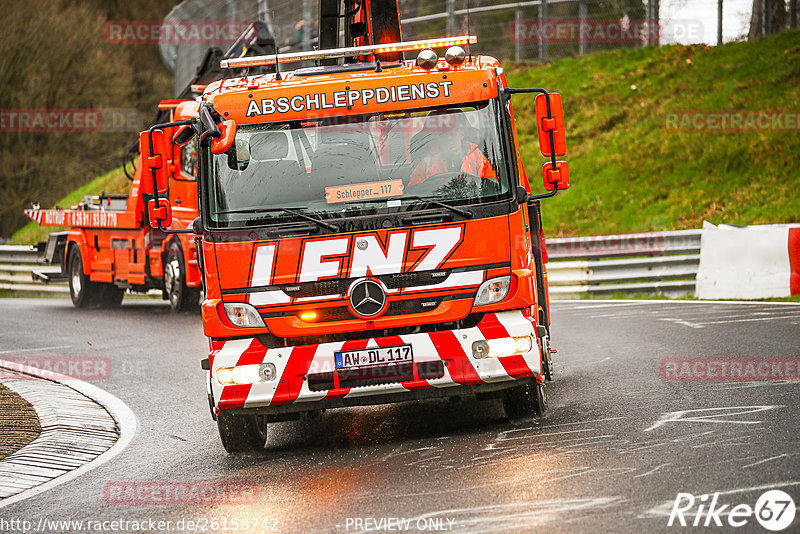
[691, 21]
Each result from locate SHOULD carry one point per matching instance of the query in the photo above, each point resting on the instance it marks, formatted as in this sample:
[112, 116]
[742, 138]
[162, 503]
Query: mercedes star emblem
[367, 298]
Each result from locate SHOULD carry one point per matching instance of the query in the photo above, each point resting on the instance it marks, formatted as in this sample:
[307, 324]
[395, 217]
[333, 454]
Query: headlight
[493, 290]
[247, 374]
[225, 375]
[244, 315]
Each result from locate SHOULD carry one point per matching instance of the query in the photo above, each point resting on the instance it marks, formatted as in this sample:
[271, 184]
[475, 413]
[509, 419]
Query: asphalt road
[621, 439]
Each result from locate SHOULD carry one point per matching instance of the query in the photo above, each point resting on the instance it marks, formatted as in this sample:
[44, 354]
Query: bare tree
[768, 16]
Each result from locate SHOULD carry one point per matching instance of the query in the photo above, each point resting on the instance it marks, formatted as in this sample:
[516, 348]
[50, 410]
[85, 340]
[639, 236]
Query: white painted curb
[125, 418]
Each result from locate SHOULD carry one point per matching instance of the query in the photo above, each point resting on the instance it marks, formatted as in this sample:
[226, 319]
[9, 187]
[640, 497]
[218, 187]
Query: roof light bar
[235, 63]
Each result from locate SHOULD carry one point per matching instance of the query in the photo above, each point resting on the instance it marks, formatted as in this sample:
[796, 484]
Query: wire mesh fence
[540, 29]
[525, 30]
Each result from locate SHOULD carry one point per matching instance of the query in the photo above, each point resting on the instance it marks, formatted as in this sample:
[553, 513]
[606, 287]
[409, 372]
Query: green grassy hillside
[630, 174]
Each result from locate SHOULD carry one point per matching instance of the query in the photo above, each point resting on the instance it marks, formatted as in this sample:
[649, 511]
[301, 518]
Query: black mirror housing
[522, 195]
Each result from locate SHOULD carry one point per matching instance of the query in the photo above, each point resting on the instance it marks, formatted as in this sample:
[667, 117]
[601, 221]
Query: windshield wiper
[256, 209]
[467, 214]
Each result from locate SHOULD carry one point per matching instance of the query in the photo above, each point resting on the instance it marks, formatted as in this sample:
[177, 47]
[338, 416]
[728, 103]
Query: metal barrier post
[582, 16]
[518, 41]
[542, 22]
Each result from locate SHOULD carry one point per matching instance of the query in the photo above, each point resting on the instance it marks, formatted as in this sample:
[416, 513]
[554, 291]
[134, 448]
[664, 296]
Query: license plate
[353, 359]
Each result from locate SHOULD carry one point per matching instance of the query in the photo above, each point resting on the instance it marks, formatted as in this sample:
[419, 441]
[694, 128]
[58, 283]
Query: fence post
[582, 16]
[517, 41]
[451, 17]
[719, 22]
[307, 24]
[542, 23]
[653, 23]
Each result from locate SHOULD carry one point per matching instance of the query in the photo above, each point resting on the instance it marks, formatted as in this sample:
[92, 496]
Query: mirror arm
[153, 171]
[168, 231]
[543, 195]
[207, 120]
[511, 91]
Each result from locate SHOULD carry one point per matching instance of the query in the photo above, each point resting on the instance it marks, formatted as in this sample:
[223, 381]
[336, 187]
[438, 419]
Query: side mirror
[155, 170]
[558, 176]
[159, 213]
[197, 226]
[183, 135]
[239, 155]
[221, 144]
[553, 124]
[209, 126]
[522, 195]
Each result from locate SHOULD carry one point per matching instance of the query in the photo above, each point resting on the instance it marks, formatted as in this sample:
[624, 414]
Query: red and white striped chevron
[453, 347]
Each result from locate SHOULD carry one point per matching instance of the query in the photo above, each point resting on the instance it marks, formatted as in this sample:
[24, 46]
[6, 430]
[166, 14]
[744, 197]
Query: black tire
[83, 292]
[110, 296]
[525, 401]
[547, 361]
[180, 296]
[242, 433]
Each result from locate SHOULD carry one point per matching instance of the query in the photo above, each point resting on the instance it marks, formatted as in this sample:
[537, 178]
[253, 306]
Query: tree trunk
[768, 16]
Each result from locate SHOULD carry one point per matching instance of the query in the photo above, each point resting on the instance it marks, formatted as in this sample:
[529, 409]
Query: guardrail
[17, 262]
[654, 263]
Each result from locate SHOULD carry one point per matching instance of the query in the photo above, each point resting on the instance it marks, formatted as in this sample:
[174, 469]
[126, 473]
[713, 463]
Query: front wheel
[242, 433]
[525, 401]
[83, 292]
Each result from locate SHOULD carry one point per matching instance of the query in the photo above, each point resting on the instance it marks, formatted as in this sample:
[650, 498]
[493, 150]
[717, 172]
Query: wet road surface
[621, 439]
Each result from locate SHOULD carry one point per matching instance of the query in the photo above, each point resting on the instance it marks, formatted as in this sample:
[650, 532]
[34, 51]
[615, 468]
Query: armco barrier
[16, 264]
[662, 263]
[656, 263]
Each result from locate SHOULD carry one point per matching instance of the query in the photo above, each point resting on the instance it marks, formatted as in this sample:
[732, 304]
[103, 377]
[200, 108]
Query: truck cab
[369, 236]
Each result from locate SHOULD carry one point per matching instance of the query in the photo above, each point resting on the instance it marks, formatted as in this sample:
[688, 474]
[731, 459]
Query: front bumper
[308, 380]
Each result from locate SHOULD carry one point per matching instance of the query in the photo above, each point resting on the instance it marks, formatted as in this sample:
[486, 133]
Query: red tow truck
[367, 230]
[111, 247]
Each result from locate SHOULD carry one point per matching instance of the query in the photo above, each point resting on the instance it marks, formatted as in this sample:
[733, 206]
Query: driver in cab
[445, 149]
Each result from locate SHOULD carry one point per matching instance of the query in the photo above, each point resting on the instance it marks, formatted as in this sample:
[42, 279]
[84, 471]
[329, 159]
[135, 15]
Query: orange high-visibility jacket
[474, 163]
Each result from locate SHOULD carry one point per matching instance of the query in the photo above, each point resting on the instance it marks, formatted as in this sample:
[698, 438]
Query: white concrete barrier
[748, 262]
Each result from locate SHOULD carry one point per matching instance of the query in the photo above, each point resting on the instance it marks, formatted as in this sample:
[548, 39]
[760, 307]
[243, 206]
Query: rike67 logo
[774, 510]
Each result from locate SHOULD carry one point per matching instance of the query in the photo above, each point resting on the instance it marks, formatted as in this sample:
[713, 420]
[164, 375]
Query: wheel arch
[76, 239]
[192, 274]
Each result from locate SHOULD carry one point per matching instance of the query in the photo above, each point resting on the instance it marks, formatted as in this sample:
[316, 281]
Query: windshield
[355, 165]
